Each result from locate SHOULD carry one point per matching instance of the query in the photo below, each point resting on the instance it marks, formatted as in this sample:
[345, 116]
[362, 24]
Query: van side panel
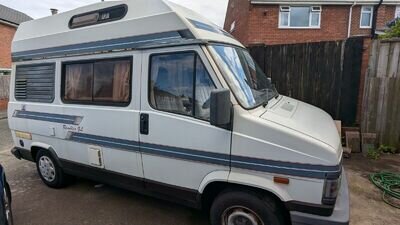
[180, 150]
[74, 130]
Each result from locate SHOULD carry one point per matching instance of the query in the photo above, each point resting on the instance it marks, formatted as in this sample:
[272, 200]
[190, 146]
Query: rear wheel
[49, 171]
[7, 204]
[245, 208]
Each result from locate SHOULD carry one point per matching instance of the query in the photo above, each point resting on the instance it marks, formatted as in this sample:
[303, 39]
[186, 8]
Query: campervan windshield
[246, 79]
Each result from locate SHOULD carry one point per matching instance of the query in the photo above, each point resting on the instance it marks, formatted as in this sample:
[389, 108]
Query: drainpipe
[350, 19]
[375, 18]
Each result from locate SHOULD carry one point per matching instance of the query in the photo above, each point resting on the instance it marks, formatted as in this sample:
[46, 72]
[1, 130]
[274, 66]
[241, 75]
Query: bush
[393, 32]
[387, 149]
[375, 154]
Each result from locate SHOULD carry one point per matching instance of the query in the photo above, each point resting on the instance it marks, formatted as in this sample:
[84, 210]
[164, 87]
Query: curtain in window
[78, 82]
[121, 82]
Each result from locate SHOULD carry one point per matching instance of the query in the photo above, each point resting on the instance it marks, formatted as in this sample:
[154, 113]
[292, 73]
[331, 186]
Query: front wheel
[243, 208]
[49, 171]
[7, 204]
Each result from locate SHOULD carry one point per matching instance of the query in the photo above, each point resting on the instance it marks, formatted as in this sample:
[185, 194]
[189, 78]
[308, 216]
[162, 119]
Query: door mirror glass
[220, 108]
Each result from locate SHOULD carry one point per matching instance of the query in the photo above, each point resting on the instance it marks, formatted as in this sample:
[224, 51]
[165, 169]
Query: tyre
[248, 208]
[49, 171]
[7, 205]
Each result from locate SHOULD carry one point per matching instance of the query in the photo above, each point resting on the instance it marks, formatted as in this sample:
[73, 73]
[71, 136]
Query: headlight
[331, 190]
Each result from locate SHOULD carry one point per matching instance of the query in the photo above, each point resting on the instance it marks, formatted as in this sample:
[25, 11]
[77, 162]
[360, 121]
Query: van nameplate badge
[73, 128]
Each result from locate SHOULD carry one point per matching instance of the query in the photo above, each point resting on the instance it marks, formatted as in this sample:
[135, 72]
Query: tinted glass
[98, 16]
[98, 82]
[112, 81]
[78, 82]
[171, 85]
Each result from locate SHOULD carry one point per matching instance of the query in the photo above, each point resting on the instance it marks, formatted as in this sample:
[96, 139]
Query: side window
[180, 83]
[112, 81]
[98, 82]
[78, 82]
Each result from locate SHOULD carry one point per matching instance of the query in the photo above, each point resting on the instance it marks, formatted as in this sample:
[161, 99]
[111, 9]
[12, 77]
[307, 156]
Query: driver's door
[179, 146]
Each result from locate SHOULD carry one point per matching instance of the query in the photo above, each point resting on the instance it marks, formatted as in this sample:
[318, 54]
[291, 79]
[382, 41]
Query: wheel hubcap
[239, 215]
[7, 206]
[47, 170]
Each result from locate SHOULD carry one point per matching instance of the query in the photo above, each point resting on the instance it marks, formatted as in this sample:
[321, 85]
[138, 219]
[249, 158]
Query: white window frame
[5, 70]
[286, 8]
[371, 18]
[397, 12]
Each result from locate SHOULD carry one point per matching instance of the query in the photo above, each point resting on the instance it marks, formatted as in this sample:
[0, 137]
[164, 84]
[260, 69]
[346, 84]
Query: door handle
[144, 123]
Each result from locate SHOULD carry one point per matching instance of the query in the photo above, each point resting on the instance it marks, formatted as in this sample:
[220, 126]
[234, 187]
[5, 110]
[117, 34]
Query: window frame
[309, 16]
[197, 55]
[64, 64]
[371, 18]
[397, 12]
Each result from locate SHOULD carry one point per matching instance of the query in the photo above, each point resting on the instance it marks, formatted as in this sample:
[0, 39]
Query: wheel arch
[37, 146]
[216, 182]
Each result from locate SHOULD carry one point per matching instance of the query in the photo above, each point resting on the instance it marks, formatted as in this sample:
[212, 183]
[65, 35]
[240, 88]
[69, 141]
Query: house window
[300, 16]
[397, 14]
[5, 71]
[180, 83]
[366, 16]
[102, 82]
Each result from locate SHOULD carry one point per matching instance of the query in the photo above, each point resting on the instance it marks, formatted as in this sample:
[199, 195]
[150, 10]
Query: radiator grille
[35, 83]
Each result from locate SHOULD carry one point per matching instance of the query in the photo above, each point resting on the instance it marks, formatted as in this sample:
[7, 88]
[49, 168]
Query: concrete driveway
[86, 202]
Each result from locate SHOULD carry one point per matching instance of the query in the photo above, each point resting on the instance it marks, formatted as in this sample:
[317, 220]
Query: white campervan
[149, 96]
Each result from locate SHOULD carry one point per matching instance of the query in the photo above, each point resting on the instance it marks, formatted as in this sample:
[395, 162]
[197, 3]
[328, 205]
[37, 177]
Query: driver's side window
[180, 83]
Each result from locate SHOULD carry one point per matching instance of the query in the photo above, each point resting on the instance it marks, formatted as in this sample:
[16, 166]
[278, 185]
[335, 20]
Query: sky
[214, 10]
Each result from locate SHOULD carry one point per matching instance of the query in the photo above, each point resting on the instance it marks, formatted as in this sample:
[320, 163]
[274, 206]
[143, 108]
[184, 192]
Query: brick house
[293, 21]
[9, 21]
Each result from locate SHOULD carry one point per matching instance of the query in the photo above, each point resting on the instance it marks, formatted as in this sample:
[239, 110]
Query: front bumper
[340, 215]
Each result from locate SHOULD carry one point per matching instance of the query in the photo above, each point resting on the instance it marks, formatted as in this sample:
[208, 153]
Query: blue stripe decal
[49, 117]
[159, 150]
[105, 45]
[269, 166]
[320, 174]
[286, 164]
[287, 168]
[105, 141]
[187, 154]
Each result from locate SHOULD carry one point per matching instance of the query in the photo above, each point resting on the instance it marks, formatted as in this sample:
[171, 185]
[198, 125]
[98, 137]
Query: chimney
[54, 11]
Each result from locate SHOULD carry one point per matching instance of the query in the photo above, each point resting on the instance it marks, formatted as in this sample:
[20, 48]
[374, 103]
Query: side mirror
[220, 108]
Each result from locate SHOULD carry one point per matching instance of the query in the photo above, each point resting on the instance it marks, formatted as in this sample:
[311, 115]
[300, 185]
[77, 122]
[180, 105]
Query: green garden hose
[389, 183]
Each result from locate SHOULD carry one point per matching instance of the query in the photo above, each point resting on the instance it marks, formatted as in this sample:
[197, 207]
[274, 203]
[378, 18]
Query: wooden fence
[4, 87]
[324, 74]
[381, 100]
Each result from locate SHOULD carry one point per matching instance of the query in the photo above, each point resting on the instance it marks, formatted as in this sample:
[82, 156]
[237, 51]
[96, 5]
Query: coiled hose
[389, 183]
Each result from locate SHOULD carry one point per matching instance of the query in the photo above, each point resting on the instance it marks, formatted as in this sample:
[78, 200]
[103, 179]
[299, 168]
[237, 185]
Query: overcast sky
[212, 9]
